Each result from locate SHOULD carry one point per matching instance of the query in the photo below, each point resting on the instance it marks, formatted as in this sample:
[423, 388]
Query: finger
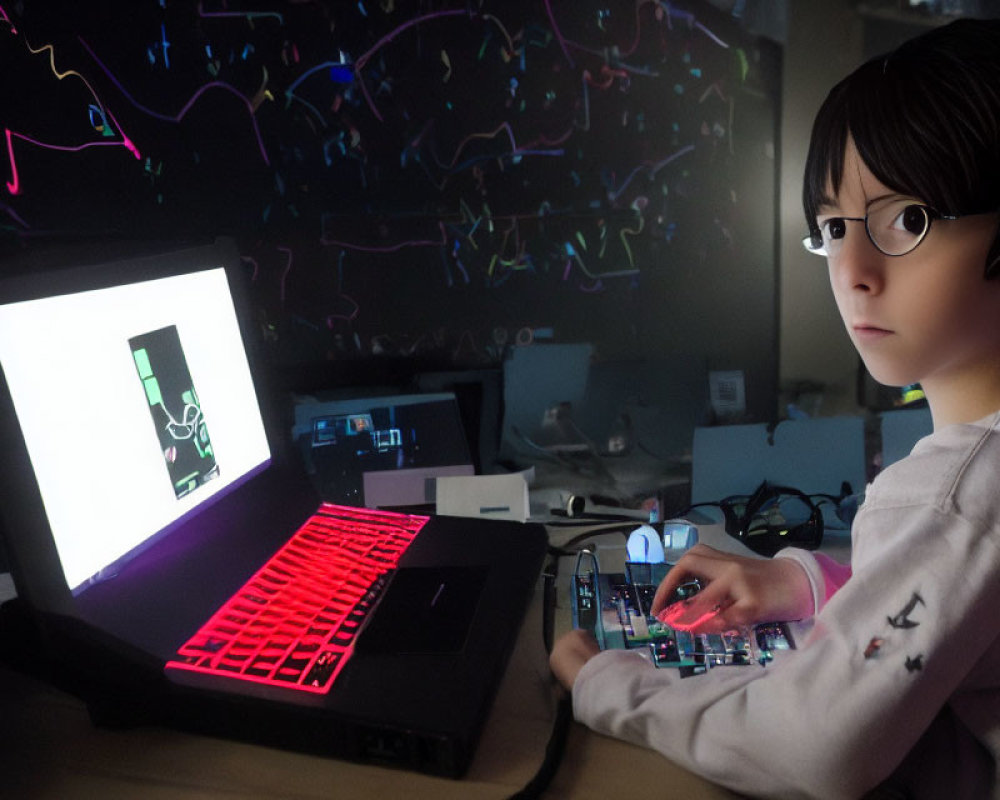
[665, 591]
[699, 563]
[728, 618]
[697, 612]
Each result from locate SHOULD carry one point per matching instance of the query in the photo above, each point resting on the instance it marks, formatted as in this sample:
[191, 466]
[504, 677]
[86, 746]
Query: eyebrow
[828, 204]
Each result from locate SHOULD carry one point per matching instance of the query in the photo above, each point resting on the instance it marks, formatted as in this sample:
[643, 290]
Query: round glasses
[894, 225]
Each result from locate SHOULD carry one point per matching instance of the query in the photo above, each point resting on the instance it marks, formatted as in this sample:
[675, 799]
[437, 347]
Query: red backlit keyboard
[294, 623]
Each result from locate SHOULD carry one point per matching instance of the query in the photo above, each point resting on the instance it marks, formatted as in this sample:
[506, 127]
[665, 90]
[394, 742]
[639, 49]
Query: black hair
[925, 119]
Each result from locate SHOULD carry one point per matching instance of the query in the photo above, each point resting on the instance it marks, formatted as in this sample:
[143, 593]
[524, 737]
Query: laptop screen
[137, 407]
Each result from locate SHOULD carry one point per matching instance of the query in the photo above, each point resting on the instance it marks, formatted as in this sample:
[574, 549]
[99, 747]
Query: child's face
[926, 317]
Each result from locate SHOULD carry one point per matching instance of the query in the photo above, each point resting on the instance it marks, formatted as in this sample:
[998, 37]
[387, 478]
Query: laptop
[381, 451]
[146, 485]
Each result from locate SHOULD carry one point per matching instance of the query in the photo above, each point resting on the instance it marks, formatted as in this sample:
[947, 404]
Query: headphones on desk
[773, 517]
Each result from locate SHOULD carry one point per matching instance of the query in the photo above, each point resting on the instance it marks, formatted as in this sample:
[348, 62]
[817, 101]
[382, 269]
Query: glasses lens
[897, 226]
[783, 521]
[782, 511]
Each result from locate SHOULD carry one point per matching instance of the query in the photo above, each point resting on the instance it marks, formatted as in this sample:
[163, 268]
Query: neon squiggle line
[290, 91]
[67, 148]
[62, 75]
[10, 212]
[187, 106]
[340, 293]
[631, 232]
[288, 268]
[558, 33]
[256, 267]
[126, 142]
[6, 19]
[14, 184]
[390, 248]
[610, 274]
[359, 64]
[495, 21]
[516, 151]
[672, 12]
[346, 317]
[651, 168]
[246, 14]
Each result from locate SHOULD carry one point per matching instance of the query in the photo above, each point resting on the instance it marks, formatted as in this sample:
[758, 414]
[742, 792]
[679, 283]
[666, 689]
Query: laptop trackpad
[425, 610]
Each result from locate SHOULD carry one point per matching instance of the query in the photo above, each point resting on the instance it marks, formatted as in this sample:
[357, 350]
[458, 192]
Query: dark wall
[420, 178]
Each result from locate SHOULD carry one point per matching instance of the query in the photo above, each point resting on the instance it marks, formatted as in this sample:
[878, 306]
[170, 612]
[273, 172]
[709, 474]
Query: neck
[954, 401]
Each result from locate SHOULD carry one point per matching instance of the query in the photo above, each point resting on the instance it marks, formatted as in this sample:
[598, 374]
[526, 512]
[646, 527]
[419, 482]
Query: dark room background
[425, 182]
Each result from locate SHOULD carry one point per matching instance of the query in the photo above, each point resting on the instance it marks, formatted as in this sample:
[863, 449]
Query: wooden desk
[49, 749]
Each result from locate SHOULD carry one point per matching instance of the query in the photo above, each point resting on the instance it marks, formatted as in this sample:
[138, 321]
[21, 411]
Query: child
[898, 684]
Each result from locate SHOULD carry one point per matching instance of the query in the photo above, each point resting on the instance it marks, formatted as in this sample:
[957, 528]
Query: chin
[888, 376]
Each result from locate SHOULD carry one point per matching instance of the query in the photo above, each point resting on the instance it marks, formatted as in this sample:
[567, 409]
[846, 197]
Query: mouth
[866, 331]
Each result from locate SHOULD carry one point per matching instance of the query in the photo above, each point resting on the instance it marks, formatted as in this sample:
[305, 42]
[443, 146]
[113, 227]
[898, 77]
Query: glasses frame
[740, 512]
[813, 243]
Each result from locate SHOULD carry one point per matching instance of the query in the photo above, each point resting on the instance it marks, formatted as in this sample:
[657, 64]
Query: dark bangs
[924, 120]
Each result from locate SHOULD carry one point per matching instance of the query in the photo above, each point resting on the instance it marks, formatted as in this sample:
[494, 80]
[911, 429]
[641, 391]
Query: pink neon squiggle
[6, 19]
[187, 106]
[13, 185]
[126, 142]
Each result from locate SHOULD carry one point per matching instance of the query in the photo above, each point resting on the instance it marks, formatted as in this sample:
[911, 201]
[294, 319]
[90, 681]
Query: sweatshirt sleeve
[825, 574]
[836, 716]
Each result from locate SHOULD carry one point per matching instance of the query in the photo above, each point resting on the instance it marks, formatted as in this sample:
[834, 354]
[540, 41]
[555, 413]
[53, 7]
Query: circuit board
[615, 608]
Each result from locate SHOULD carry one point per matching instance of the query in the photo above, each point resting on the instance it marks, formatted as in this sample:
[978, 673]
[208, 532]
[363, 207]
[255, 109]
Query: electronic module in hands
[614, 607]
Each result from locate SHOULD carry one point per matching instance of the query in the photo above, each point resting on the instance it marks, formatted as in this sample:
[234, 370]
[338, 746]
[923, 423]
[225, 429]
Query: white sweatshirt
[899, 678]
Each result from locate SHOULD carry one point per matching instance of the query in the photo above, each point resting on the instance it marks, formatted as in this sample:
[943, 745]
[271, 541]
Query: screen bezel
[35, 564]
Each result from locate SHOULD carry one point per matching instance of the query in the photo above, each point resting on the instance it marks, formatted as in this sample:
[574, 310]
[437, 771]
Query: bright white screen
[86, 417]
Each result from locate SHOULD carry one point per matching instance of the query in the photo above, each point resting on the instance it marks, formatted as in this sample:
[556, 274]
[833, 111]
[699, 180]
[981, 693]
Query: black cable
[549, 599]
[553, 752]
[556, 745]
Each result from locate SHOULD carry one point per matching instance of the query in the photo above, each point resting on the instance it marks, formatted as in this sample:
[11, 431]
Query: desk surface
[48, 748]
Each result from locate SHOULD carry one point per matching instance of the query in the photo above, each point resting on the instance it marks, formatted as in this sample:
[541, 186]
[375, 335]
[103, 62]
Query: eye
[833, 228]
[912, 219]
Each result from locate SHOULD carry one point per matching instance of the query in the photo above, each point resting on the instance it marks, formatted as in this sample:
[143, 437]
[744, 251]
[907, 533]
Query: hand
[737, 590]
[570, 652]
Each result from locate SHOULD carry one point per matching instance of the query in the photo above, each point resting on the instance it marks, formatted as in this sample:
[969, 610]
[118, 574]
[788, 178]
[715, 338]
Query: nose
[858, 265]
